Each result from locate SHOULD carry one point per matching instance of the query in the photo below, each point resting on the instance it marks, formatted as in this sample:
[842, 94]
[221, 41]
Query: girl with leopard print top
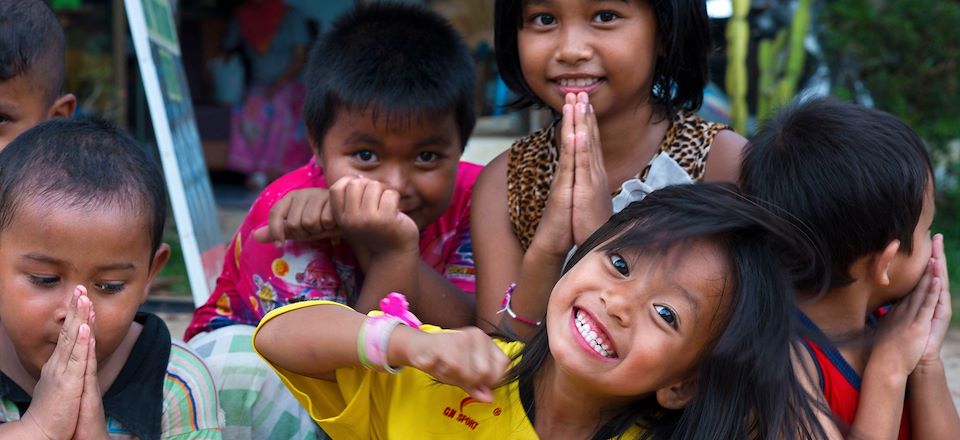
[623, 78]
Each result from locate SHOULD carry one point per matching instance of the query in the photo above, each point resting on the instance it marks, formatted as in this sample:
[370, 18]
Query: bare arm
[467, 358]
[442, 303]
[725, 157]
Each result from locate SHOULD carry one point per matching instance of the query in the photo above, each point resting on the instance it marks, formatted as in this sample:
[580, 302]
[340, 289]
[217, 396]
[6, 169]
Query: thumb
[262, 235]
[482, 393]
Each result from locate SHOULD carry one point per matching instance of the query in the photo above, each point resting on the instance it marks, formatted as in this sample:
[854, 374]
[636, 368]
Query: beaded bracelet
[505, 307]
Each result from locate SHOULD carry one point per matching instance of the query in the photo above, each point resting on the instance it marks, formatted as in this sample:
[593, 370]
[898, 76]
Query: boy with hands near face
[80, 244]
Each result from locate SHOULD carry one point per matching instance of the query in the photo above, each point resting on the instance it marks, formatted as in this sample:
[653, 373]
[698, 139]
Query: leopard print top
[533, 162]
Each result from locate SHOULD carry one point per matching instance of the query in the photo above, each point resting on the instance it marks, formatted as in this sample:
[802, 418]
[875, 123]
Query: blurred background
[896, 55]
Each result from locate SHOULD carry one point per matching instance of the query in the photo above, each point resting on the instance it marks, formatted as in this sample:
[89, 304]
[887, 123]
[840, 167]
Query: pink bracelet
[372, 342]
[505, 307]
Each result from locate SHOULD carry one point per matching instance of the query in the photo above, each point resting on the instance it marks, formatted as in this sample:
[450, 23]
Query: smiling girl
[632, 72]
[653, 331]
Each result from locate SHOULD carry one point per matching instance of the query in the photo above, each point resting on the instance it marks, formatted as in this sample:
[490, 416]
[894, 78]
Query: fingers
[277, 223]
[941, 257]
[78, 314]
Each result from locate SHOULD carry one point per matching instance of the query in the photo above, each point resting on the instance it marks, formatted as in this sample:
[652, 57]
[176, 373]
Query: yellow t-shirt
[366, 404]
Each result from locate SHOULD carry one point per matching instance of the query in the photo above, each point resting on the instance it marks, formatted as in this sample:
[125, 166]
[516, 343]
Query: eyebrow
[547, 2]
[40, 258]
[690, 297]
[358, 138]
[433, 140]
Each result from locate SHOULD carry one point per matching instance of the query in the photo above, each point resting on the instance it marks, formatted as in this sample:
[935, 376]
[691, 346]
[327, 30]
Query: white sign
[168, 98]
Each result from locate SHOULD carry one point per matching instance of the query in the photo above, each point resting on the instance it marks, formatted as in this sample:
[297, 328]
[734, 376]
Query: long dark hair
[746, 387]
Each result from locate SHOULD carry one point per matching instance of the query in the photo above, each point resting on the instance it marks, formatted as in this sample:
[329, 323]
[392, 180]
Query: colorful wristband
[505, 307]
[373, 339]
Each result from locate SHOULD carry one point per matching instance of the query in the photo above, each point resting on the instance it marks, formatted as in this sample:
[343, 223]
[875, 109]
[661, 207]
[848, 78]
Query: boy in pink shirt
[388, 112]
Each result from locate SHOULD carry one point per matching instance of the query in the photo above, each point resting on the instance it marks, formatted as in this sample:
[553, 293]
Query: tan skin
[24, 103]
[904, 350]
[388, 182]
[614, 137]
[647, 313]
[55, 335]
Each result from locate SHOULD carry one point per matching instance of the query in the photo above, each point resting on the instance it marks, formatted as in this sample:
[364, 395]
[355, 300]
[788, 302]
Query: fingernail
[591, 108]
[583, 109]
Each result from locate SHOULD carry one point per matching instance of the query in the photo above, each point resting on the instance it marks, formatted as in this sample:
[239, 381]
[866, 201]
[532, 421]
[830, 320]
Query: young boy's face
[417, 158]
[906, 270]
[23, 104]
[47, 250]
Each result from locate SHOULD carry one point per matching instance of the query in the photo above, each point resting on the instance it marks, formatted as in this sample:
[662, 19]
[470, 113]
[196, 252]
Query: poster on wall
[154, 37]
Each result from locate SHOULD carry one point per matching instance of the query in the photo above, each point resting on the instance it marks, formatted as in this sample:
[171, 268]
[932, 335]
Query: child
[31, 68]
[83, 208]
[862, 180]
[389, 112]
[653, 327]
[631, 73]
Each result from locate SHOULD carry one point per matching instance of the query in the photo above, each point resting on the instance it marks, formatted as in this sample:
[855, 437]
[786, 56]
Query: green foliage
[907, 54]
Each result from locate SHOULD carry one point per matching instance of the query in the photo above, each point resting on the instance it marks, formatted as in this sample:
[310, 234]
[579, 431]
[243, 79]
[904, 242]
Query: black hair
[856, 176]
[680, 73]
[82, 163]
[401, 61]
[745, 382]
[32, 44]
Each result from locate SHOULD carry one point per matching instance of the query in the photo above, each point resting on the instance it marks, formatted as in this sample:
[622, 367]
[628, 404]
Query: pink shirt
[258, 277]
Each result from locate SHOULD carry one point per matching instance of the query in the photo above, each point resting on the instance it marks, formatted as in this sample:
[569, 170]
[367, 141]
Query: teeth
[595, 341]
[578, 82]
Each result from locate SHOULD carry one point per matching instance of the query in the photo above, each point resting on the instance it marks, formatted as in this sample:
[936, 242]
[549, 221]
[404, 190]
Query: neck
[842, 311]
[630, 137]
[566, 408]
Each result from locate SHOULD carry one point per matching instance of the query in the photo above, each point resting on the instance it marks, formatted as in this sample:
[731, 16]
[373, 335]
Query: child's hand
[943, 311]
[904, 333]
[467, 358]
[368, 214]
[554, 234]
[303, 215]
[57, 397]
[91, 423]
[592, 204]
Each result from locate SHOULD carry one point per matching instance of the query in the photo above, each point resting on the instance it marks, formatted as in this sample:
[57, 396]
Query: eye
[115, 287]
[619, 264]
[427, 156]
[606, 16]
[365, 156]
[543, 20]
[667, 315]
[43, 281]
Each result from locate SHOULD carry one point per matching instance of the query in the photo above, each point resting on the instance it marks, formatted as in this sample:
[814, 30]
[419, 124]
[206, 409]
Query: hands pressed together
[67, 402]
[579, 200]
[910, 337]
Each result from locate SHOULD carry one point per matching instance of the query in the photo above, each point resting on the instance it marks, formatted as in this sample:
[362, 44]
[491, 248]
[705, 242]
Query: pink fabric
[258, 278]
[267, 133]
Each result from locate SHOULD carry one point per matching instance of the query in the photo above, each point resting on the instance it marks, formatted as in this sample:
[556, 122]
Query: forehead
[382, 124]
[21, 94]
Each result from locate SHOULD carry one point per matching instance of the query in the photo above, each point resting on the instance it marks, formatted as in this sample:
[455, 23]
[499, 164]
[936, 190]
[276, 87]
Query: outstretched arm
[467, 358]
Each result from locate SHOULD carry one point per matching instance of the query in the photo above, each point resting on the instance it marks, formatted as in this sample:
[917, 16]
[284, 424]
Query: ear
[678, 395]
[315, 147]
[63, 107]
[160, 259]
[880, 266]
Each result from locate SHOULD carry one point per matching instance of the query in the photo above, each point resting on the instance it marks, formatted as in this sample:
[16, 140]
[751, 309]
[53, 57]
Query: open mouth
[593, 335]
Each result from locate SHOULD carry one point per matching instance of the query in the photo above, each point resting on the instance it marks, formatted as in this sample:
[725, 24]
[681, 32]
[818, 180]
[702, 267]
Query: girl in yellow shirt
[672, 320]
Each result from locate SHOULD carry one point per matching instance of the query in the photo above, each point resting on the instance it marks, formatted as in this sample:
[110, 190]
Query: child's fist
[303, 215]
[467, 358]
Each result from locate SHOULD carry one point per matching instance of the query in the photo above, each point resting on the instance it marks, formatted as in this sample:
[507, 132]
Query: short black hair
[746, 386]
[681, 71]
[856, 176]
[401, 61]
[84, 163]
[32, 44]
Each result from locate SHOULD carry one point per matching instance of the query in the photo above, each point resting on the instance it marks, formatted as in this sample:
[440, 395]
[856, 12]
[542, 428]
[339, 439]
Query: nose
[395, 178]
[573, 46]
[619, 304]
[60, 314]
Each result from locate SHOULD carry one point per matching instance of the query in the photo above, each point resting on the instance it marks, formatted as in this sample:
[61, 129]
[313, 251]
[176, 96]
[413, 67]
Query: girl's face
[626, 324]
[605, 48]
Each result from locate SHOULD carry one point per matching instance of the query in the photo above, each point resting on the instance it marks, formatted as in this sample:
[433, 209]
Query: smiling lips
[579, 84]
[594, 335]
